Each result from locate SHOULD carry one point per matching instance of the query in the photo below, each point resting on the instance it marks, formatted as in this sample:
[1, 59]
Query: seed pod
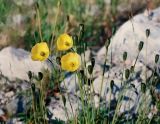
[90, 69]
[143, 87]
[127, 73]
[112, 84]
[30, 75]
[156, 58]
[124, 56]
[147, 32]
[140, 45]
[93, 61]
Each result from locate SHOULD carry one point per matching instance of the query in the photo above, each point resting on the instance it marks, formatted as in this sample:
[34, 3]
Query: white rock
[9, 94]
[96, 101]
[1, 112]
[70, 83]
[86, 56]
[15, 63]
[60, 111]
[99, 85]
[130, 34]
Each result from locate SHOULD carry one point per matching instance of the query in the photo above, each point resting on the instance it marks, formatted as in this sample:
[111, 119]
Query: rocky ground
[15, 64]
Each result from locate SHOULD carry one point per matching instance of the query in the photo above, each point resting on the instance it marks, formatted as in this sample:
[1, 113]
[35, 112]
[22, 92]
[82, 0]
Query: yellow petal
[40, 52]
[64, 42]
[70, 62]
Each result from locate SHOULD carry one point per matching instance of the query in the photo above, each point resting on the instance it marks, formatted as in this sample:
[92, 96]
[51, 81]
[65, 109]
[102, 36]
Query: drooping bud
[127, 73]
[93, 61]
[147, 32]
[140, 47]
[90, 69]
[156, 58]
[40, 76]
[124, 56]
[112, 84]
[132, 69]
[30, 75]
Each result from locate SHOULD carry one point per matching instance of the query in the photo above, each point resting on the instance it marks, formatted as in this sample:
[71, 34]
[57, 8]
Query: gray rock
[129, 35]
[15, 64]
[70, 83]
[62, 112]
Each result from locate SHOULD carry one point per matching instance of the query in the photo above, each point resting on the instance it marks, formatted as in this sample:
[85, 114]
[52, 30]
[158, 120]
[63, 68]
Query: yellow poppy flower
[40, 52]
[64, 42]
[70, 62]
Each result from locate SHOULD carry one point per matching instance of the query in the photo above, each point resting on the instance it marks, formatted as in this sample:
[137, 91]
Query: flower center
[67, 44]
[43, 54]
[72, 64]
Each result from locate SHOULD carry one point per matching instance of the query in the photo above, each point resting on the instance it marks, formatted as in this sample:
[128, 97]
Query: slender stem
[56, 18]
[39, 24]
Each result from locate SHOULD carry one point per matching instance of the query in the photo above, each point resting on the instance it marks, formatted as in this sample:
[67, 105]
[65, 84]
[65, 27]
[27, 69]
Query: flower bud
[92, 62]
[112, 84]
[156, 58]
[40, 76]
[90, 69]
[132, 69]
[124, 56]
[147, 32]
[127, 73]
[30, 75]
[140, 45]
